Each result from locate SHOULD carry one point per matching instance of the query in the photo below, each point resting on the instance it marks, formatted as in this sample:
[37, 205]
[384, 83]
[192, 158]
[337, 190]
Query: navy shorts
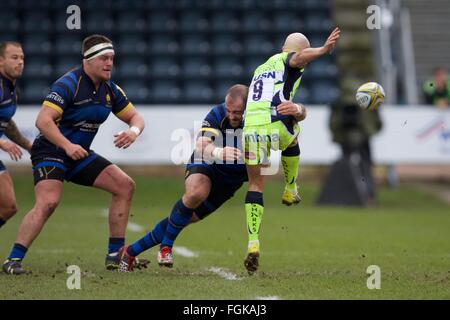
[2, 166]
[50, 163]
[223, 187]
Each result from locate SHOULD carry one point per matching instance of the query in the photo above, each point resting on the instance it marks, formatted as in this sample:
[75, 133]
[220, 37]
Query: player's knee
[127, 186]
[47, 208]
[194, 197]
[8, 211]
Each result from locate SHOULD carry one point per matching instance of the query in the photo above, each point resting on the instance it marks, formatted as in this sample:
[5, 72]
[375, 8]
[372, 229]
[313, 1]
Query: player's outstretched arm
[13, 133]
[45, 122]
[205, 146]
[302, 58]
[136, 122]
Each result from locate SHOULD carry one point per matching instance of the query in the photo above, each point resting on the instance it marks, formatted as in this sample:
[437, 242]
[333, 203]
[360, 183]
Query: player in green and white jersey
[271, 123]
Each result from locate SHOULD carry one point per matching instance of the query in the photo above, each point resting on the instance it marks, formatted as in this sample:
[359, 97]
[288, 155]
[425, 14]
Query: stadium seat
[195, 44]
[98, 22]
[36, 44]
[226, 44]
[131, 21]
[36, 22]
[35, 91]
[164, 44]
[68, 44]
[166, 92]
[164, 67]
[10, 21]
[197, 92]
[228, 67]
[37, 67]
[130, 44]
[137, 91]
[132, 67]
[196, 67]
[225, 21]
[162, 21]
[256, 22]
[193, 21]
[259, 44]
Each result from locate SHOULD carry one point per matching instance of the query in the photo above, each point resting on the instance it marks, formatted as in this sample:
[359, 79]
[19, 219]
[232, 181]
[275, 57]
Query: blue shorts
[2, 166]
[50, 162]
[223, 187]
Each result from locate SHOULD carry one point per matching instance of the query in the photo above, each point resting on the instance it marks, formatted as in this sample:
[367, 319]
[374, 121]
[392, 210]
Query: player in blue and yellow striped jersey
[11, 68]
[70, 117]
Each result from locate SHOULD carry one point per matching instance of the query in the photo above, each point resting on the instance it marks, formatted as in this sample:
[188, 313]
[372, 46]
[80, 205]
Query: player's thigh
[197, 186]
[114, 180]
[7, 195]
[48, 194]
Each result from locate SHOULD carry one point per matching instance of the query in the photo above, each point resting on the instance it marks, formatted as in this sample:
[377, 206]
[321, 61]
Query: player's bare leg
[113, 180]
[8, 206]
[48, 193]
[254, 208]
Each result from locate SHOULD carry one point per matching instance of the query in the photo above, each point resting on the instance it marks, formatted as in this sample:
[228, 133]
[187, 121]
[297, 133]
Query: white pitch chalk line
[133, 227]
[228, 275]
[268, 298]
[185, 252]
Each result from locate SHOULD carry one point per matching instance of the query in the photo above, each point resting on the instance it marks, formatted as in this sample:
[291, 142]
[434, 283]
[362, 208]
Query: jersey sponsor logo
[267, 75]
[108, 99]
[55, 97]
[87, 126]
[82, 101]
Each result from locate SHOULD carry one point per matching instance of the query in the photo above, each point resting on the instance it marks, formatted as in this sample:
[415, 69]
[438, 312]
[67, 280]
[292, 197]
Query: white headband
[98, 50]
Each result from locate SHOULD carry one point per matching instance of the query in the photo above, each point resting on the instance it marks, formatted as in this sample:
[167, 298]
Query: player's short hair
[238, 91]
[93, 40]
[5, 44]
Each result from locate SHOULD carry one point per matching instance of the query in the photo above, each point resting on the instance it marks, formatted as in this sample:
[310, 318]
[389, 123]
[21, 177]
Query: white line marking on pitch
[185, 252]
[224, 273]
[133, 227]
[268, 298]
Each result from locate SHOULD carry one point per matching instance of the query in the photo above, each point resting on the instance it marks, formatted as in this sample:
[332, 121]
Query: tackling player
[71, 114]
[270, 125]
[11, 68]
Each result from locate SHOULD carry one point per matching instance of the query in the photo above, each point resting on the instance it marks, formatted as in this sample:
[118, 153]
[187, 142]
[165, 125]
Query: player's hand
[75, 151]
[332, 39]
[124, 139]
[288, 108]
[227, 153]
[12, 149]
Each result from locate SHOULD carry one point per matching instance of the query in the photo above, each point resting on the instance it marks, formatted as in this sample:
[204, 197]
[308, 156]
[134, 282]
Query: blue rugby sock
[179, 218]
[2, 222]
[115, 244]
[18, 251]
[151, 239]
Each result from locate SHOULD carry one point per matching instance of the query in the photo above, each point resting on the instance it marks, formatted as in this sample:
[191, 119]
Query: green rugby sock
[254, 209]
[290, 159]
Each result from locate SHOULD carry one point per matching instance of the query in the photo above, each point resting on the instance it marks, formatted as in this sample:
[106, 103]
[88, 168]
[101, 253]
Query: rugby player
[270, 125]
[71, 114]
[11, 68]
[215, 172]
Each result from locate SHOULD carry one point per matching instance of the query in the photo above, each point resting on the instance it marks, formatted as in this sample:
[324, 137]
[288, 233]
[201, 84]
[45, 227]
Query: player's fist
[227, 154]
[75, 151]
[124, 139]
[12, 149]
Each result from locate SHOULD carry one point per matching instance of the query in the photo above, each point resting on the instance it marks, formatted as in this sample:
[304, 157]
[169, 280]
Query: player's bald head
[237, 91]
[295, 42]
